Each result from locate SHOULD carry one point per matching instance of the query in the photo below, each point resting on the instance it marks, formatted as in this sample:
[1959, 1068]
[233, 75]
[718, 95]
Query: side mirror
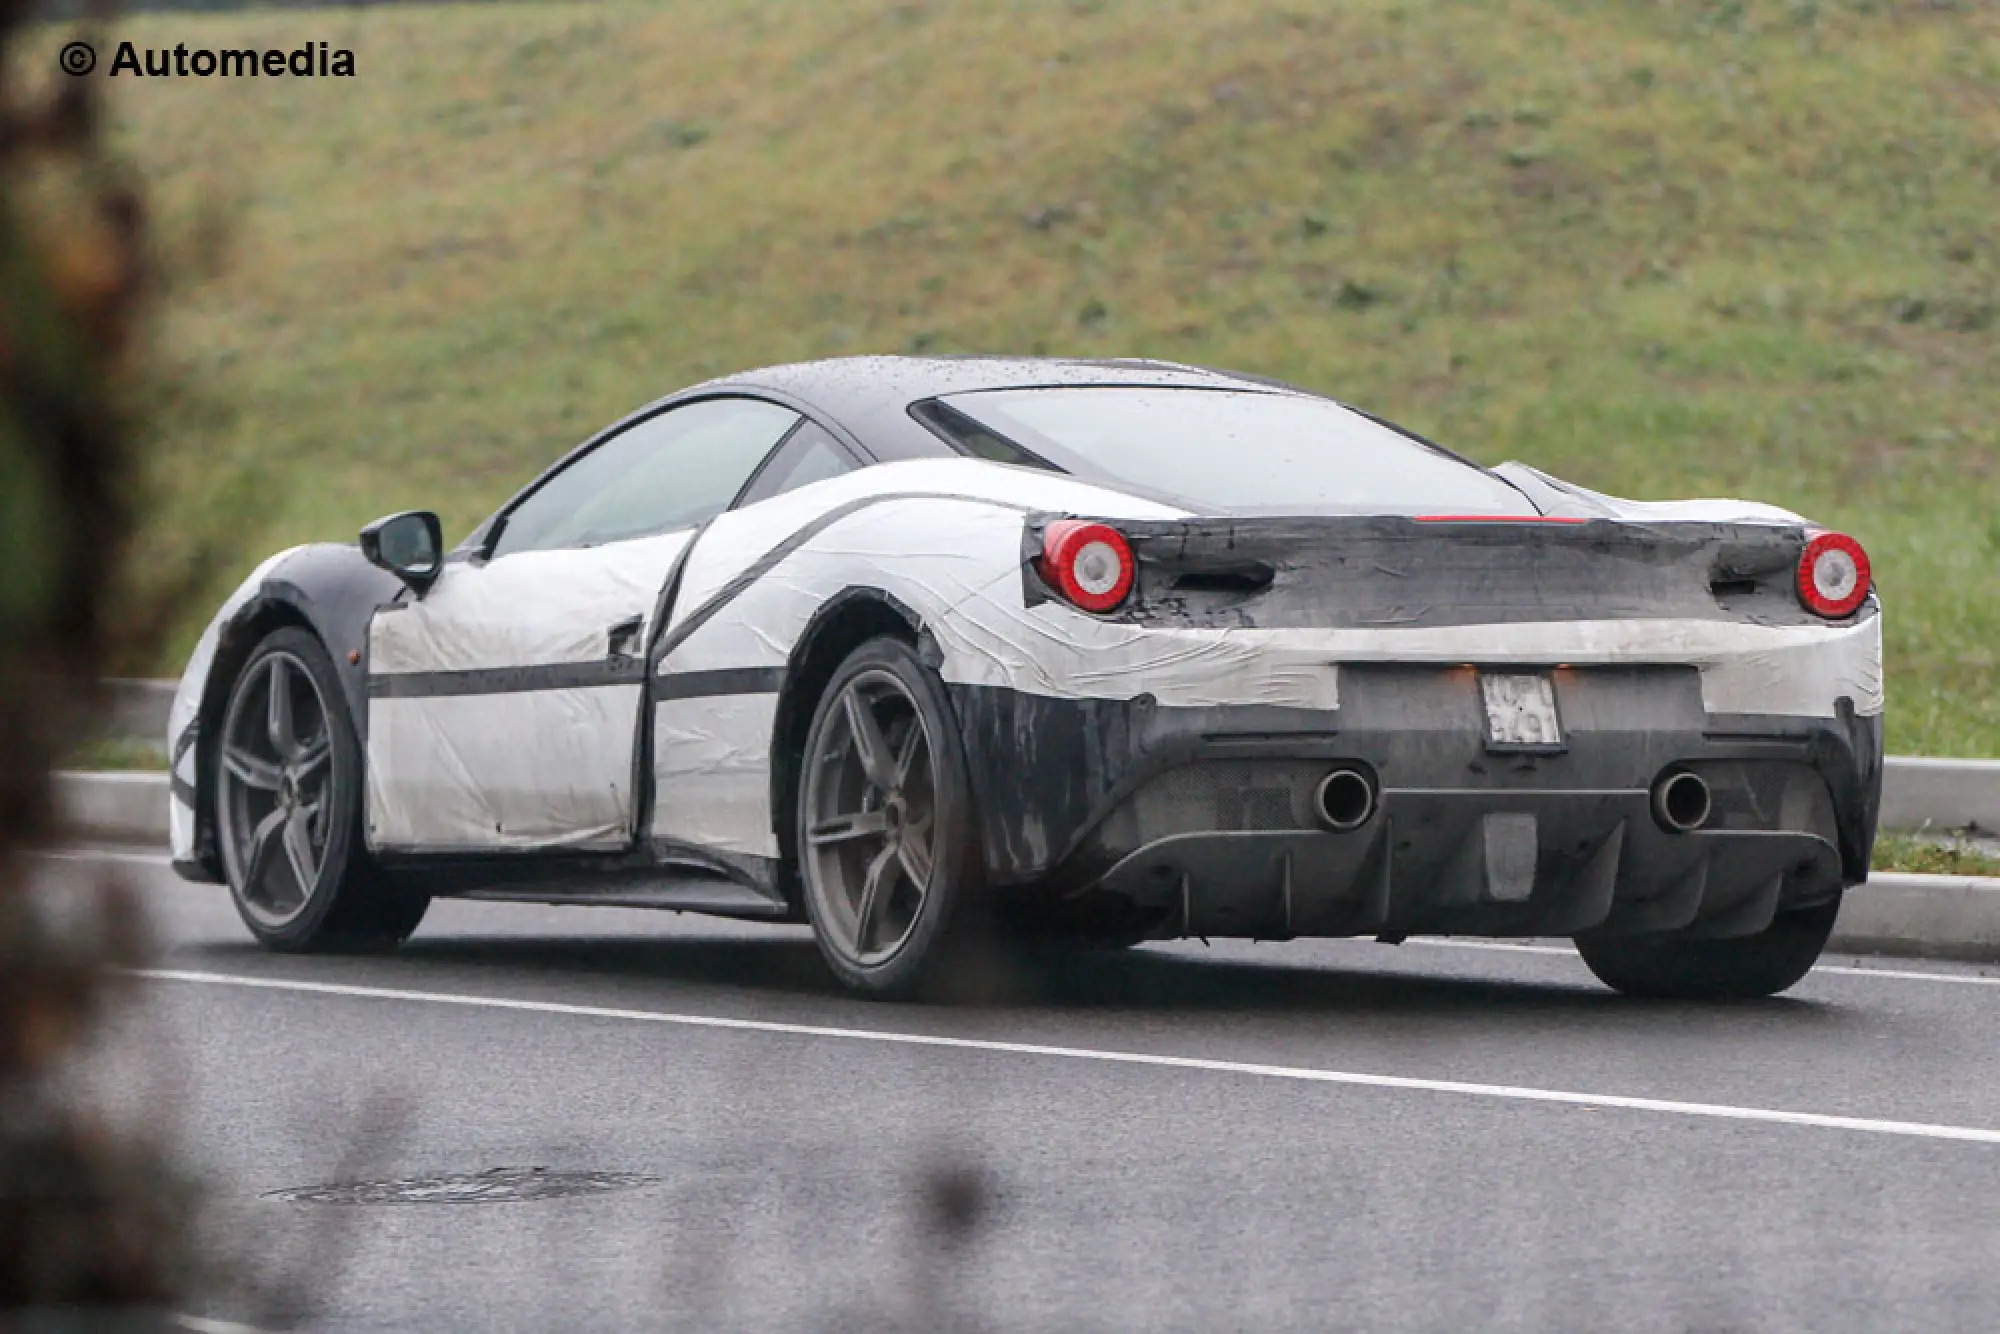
[408, 545]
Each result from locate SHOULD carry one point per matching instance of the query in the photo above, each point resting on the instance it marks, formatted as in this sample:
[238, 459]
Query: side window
[671, 471]
[808, 455]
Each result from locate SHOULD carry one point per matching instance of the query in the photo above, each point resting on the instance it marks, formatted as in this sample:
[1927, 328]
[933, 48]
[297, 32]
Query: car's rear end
[1476, 717]
[1521, 728]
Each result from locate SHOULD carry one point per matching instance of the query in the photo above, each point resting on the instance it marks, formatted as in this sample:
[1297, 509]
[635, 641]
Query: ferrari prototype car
[1094, 651]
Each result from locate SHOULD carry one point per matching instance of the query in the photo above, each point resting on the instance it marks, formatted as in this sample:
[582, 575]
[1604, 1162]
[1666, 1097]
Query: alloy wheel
[276, 779]
[871, 802]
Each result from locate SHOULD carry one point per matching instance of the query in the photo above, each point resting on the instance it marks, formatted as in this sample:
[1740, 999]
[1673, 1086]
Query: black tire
[852, 830]
[297, 798]
[1098, 925]
[1738, 969]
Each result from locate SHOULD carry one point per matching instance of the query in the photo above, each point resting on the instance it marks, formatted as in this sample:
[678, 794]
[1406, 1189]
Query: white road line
[1501, 946]
[104, 855]
[203, 1325]
[1908, 975]
[1838, 970]
[1663, 1106]
[1498, 946]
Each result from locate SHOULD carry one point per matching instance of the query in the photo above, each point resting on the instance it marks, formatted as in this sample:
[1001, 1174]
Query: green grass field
[1929, 856]
[1662, 248]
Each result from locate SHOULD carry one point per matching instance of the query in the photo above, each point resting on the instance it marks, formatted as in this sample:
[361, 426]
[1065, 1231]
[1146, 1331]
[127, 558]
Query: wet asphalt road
[1173, 1138]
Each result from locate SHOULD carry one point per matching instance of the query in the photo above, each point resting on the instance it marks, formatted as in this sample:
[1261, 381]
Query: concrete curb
[113, 807]
[1921, 916]
[1943, 796]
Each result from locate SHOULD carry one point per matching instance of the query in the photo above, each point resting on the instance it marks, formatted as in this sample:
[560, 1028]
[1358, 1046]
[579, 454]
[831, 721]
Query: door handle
[622, 639]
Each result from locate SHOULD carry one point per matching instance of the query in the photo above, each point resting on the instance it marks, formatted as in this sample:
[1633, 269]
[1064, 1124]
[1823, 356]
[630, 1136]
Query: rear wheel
[1748, 966]
[887, 845]
[288, 809]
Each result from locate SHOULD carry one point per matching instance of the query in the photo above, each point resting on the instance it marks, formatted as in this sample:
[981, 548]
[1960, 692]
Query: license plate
[1520, 712]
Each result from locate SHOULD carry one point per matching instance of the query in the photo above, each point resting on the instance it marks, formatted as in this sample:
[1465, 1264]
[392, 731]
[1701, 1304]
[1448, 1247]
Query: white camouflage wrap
[554, 766]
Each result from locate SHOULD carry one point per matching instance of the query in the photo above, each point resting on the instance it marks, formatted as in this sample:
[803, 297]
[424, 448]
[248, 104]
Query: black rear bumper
[1201, 820]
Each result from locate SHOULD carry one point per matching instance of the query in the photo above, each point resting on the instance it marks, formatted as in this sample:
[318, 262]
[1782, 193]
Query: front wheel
[1748, 966]
[887, 844]
[288, 809]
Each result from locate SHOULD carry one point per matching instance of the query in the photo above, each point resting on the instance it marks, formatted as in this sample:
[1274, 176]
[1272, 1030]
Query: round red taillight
[1834, 577]
[1089, 563]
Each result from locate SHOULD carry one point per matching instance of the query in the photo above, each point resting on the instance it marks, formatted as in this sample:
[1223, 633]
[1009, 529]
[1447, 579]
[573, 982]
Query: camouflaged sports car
[918, 649]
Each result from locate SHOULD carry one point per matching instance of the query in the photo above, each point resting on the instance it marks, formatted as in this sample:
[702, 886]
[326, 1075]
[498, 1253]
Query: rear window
[1232, 451]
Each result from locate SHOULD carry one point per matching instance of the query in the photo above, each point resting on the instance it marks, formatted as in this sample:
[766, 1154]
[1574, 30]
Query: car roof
[838, 379]
[870, 396]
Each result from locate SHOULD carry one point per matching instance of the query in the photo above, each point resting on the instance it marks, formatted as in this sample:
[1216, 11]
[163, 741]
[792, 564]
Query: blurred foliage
[89, 1219]
[67, 9]
[117, 753]
[1663, 247]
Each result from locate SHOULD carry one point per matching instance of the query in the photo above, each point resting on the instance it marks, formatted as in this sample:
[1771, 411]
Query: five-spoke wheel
[272, 797]
[287, 808]
[883, 836]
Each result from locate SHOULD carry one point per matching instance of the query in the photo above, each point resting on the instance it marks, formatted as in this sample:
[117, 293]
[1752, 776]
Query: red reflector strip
[1496, 518]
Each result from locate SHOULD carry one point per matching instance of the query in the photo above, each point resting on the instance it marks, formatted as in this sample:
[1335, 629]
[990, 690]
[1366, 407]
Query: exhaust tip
[1681, 802]
[1344, 799]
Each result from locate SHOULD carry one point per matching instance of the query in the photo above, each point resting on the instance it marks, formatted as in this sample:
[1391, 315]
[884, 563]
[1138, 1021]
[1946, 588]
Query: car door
[711, 730]
[504, 703]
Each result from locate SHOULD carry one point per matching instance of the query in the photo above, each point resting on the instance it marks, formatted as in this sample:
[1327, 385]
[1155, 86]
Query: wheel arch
[842, 624]
[328, 591]
[237, 640]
